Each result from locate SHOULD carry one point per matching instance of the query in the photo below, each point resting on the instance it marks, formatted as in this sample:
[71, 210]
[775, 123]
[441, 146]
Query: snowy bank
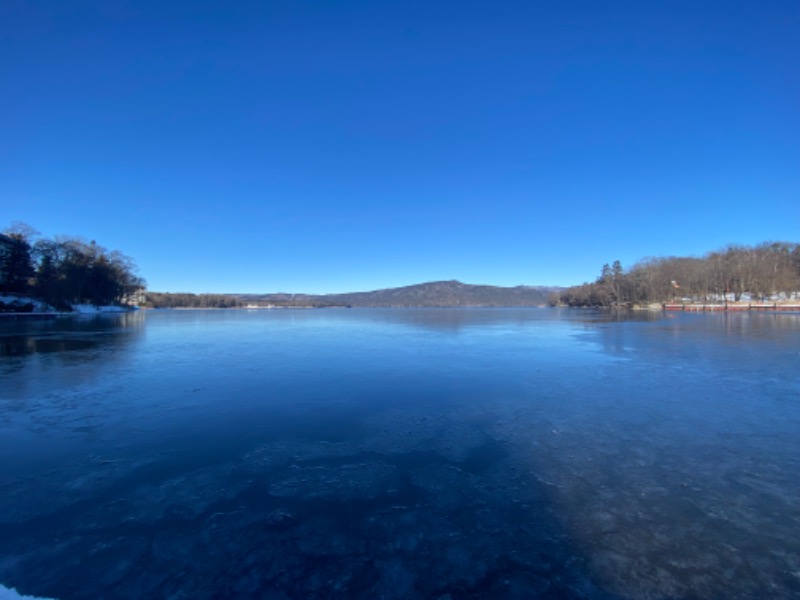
[22, 304]
[24, 301]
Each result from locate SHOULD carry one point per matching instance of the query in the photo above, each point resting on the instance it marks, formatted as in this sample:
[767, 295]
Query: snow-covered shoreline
[42, 308]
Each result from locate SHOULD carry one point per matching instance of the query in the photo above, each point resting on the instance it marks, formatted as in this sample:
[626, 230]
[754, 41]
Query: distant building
[136, 298]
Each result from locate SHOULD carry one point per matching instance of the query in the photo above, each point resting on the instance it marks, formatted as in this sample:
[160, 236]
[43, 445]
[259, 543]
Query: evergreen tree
[16, 265]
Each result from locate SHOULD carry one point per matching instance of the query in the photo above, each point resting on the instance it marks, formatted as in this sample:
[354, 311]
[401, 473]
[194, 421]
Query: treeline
[184, 300]
[179, 300]
[65, 270]
[758, 272]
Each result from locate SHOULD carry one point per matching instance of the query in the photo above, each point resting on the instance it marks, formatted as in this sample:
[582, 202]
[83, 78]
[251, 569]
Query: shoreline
[81, 312]
[731, 307]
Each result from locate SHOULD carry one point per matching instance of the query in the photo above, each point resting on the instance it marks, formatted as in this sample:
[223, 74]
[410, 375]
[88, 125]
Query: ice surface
[12, 594]
[330, 455]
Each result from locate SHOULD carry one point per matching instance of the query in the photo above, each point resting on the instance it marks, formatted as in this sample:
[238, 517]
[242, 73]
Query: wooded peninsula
[63, 271]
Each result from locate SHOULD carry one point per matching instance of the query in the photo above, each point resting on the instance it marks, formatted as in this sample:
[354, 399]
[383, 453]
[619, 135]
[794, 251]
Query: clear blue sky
[337, 146]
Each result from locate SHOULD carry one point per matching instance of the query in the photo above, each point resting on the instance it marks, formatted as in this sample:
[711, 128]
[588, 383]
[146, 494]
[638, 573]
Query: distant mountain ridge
[431, 294]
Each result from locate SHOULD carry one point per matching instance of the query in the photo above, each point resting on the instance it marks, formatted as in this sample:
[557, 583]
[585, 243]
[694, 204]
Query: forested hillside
[760, 272]
[447, 293]
[433, 294]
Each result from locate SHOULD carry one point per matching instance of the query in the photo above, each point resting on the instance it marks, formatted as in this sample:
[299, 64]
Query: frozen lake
[472, 453]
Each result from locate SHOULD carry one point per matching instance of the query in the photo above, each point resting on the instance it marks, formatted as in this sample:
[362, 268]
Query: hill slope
[433, 294]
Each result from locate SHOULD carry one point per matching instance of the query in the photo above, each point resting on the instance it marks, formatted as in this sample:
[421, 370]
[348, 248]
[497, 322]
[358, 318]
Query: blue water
[469, 453]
